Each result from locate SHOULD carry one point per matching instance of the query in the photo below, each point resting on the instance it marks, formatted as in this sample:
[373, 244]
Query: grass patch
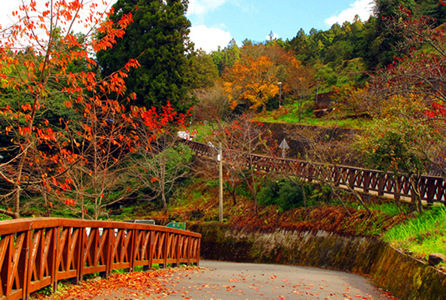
[422, 235]
[390, 208]
[308, 118]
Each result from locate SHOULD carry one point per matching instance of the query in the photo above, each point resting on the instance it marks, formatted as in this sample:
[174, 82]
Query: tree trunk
[254, 192]
[17, 184]
[234, 199]
[163, 196]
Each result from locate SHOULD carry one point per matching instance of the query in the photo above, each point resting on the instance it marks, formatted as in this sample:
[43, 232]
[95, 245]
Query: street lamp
[220, 195]
[280, 91]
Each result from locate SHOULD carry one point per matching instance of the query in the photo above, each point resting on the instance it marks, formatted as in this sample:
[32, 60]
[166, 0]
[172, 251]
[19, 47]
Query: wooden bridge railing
[35, 253]
[431, 188]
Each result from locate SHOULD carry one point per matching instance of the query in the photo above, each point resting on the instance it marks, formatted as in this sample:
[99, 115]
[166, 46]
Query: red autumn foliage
[42, 153]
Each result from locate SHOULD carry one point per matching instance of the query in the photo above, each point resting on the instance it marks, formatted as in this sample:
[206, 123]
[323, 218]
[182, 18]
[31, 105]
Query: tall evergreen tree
[383, 47]
[158, 39]
[227, 57]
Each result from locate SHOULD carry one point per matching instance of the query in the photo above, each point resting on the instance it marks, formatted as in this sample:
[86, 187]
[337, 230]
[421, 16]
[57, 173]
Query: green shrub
[288, 194]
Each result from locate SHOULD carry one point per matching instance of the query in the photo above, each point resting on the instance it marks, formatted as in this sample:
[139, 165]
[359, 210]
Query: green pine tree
[158, 39]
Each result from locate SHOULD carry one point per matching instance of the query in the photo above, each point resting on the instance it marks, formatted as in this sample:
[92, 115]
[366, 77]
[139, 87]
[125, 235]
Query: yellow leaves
[252, 79]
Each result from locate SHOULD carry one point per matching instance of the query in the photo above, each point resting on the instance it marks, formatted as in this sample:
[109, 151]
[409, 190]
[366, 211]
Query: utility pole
[220, 196]
[220, 171]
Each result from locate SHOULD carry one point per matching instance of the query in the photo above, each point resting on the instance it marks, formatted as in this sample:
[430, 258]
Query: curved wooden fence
[35, 253]
[431, 188]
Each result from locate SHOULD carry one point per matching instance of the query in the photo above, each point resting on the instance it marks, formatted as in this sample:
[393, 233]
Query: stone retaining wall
[403, 276]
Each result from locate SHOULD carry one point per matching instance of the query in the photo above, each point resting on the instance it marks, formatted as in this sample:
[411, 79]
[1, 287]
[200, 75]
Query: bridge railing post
[151, 249]
[82, 238]
[131, 249]
[165, 249]
[107, 252]
[24, 264]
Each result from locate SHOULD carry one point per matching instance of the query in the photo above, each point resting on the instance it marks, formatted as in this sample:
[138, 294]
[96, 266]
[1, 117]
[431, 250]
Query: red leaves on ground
[135, 285]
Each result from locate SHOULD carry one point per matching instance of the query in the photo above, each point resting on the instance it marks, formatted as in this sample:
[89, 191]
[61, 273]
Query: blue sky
[216, 22]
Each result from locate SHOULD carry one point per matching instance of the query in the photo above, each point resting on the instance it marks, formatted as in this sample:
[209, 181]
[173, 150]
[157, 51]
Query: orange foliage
[251, 80]
[41, 70]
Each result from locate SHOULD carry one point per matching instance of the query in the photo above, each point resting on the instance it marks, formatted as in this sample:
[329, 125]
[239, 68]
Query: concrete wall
[393, 271]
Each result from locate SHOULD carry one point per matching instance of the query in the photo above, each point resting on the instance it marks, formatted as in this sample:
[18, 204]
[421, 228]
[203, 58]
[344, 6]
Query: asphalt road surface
[232, 281]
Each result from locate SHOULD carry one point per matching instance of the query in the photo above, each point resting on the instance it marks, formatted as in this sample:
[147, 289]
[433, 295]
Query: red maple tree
[55, 74]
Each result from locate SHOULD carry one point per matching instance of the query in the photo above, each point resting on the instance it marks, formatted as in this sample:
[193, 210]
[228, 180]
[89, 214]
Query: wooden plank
[106, 251]
[146, 245]
[23, 266]
[5, 259]
[94, 269]
[67, 274]
[114, 254]
[61, 240]
[34, 259]
[15, 262]
[48, 254]
[37, 285]
[73, 243]
[130, 249]
[151, 248]
[100, 249]
[86, 257]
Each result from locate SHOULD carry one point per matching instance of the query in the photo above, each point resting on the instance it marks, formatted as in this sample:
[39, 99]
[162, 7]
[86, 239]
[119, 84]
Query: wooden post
[107, 252]
[145, 249]
[24, 264]
[430, 191]
[130, 249]
[351, 178]
[365, 180]
[81, 239]
[381, 184]
[151, 248]
[188, 247]
[198, 251]
[179, 240]
[56, 256]
[165, 249]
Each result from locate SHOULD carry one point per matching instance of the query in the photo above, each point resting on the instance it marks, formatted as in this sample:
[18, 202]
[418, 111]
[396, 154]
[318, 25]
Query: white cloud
[7, 19]
[363, 8]
[209, 39]
[201, 7]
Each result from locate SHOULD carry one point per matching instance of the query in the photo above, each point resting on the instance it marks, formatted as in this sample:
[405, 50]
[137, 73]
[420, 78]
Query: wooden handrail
[432, 188]
[35, 253]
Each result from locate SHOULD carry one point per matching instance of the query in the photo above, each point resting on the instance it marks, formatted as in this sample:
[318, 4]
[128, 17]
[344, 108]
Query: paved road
[223, 280]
